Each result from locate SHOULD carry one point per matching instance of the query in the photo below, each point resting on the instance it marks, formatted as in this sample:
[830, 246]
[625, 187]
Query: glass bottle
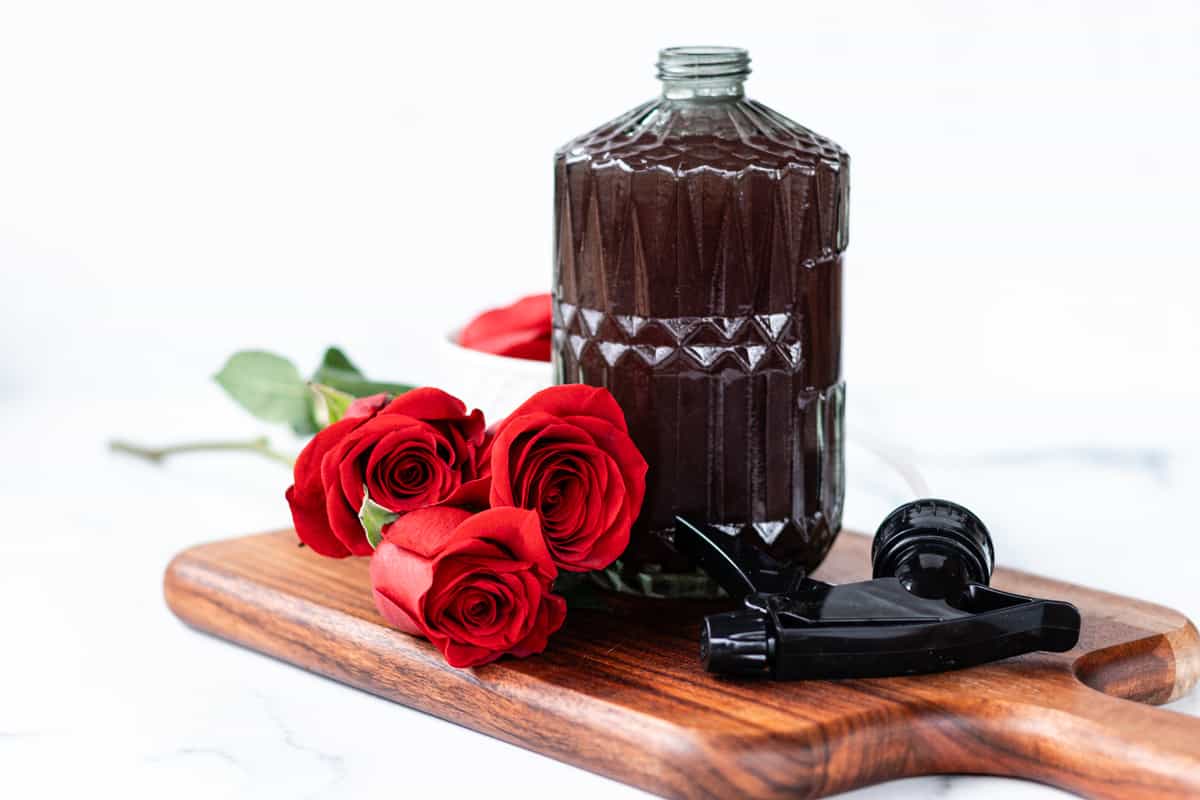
[698, 276]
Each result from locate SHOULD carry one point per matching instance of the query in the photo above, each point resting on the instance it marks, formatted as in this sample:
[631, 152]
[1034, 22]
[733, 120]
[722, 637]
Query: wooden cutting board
[622, 693]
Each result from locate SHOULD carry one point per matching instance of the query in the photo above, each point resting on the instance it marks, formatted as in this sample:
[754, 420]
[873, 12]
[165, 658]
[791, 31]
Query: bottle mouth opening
[702, 63]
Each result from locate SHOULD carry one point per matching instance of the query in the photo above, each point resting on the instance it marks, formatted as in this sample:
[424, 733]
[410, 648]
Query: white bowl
[495, 384]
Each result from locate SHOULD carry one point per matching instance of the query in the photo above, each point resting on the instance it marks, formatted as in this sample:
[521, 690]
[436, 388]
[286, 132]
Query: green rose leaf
[339, 372]
[269, 387]
[580, 591]
[373, 518]
[331, 404]
[337, 363]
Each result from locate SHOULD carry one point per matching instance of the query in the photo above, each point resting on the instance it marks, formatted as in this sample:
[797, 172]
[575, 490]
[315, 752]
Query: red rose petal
[518, 530]
[575, 400]
[425, 531]
[514, 442]
[366, 406]
[306, 496]
[427, 403]
[551, 615]
[416, 448]
[529, 345]
[400, 578]
[521, 330]
[472, 495]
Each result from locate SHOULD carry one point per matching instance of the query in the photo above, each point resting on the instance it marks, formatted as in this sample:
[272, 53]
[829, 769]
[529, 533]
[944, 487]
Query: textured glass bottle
[698, 276]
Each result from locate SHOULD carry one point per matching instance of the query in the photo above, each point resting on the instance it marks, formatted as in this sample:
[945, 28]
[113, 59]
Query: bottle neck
[702, 90]
[703, 73]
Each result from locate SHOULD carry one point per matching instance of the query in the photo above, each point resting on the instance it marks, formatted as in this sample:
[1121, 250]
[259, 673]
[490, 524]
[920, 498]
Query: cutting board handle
[1100, 746]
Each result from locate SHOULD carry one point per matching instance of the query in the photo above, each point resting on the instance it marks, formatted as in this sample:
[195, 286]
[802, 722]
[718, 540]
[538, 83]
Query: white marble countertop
[101, 688]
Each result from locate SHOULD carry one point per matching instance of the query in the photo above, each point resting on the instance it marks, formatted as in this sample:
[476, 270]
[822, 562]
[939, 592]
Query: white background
[227, 174]
[181, 180]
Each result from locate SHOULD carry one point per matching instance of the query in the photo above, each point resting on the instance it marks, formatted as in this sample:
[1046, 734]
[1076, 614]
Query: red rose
[566, 454]
[521, 330]
[409, 453]
[476, 585]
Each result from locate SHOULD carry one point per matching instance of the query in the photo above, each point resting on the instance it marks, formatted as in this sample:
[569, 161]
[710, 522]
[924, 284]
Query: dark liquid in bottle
[699, 278]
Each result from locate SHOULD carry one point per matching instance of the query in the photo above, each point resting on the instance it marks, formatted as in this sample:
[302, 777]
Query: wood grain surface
[621, 692]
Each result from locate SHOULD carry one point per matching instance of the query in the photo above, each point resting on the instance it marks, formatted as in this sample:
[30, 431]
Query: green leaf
[306, 427]
[339, 372]
[373, 518]
[580, 591]
[336, 368]
[336, 358]
[654, 583]
[269, 387]
[331, 404]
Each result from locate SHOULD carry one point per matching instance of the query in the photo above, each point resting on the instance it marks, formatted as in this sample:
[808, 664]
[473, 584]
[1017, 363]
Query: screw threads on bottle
[703, 63]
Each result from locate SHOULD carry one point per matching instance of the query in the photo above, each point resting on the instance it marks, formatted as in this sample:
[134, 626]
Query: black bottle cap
[934, 547]
[736, 643]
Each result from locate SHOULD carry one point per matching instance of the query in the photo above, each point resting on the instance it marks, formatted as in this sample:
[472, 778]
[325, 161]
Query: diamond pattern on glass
[746, 344]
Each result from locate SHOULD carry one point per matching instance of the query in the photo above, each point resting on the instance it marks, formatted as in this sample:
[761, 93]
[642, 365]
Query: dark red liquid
[699, 278]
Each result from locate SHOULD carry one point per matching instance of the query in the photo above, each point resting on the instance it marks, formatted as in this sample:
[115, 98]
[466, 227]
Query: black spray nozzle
[935, 547]
[737, 643]
[929, 607]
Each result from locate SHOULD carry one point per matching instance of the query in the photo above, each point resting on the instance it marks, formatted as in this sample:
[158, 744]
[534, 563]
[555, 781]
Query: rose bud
[566, 453]
[521, 330]
[412, 452]
[476, 585]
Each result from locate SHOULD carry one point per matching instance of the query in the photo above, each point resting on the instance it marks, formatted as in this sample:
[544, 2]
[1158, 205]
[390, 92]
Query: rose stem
[261, 445]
